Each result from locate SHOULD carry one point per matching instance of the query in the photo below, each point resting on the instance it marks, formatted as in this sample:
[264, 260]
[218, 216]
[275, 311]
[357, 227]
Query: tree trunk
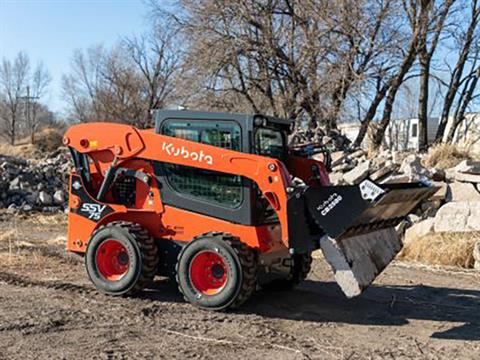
[372, 110]
[456, 77]
[464, 101]
[423, 104]
[12, 131]
[397, 81]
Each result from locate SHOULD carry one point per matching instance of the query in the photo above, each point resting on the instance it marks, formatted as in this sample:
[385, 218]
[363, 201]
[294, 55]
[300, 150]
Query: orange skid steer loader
[220, 203]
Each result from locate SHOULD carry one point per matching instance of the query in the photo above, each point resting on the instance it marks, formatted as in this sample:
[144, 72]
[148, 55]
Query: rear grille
[124, 191]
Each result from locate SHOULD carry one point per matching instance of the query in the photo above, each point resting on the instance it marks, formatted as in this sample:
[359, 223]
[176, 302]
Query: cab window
[206, 185]
[271, 143]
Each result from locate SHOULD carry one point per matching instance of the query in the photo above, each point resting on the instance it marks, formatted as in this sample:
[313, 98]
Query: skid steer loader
[220, 203]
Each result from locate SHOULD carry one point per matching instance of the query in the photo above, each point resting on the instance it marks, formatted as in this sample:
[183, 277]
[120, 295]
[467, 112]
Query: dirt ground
[49, 310]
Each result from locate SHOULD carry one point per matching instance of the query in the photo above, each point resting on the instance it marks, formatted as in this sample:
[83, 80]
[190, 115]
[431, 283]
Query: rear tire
[121, 258]
[217, 271]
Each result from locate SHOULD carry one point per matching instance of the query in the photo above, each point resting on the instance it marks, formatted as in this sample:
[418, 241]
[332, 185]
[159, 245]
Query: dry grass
[46, 140]
[47, 219]
[451, 249]
[444, 156]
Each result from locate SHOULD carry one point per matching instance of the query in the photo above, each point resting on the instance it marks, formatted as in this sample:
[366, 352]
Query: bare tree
[433, 15]
[13, 80]
[466, 39]
[38, 85]
[467, 95]
[81, 86]
[293, 59]
[157, 60]
[124, 83]
[415, 15]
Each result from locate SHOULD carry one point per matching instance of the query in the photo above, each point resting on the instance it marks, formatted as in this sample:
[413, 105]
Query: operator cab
[230, 197]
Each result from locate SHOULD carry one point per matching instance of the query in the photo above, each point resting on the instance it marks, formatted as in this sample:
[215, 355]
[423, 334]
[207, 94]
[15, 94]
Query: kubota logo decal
[94, 211]
[171, 150]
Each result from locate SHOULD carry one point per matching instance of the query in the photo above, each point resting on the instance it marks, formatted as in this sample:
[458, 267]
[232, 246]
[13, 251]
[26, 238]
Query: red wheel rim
[208, 272]
[112, 260]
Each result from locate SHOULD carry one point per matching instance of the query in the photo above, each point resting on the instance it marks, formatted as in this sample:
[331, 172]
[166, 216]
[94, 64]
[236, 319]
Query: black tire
[142, 258]
[302, 264]
[240, 265]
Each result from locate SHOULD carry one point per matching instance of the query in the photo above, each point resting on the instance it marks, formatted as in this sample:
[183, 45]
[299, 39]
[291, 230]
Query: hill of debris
[35, 184]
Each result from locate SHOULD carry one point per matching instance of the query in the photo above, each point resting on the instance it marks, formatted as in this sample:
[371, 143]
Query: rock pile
[350, 168]
[39, 184]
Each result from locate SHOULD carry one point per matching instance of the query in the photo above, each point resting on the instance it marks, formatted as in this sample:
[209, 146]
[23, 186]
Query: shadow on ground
[378, 305]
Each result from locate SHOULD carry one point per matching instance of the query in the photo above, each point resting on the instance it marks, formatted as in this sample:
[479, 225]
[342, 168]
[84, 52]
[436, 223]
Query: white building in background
[401, 134]
[467, 133]
[350, 130]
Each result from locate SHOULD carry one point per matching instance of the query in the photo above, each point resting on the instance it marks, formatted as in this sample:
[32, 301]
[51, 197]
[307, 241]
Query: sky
[50, 31]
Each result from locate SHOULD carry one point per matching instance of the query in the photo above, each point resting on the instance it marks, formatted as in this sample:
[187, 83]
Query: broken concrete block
[468, 167]
[343, 167]
[419, 230]
[461, 216]
[357, 154]
[383, 171]
[395, 179]
[357, 260]
[45, 198]
[458, 191]
[412, 218]
[336, 178]
[397, 157]
[441, 193]
[464, 177]
[338, 157]
[450, 174]
[357, 174]
[413, 168]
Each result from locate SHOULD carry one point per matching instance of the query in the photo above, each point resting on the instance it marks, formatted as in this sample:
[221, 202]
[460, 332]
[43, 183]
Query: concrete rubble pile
[454, 208]
[36, 184]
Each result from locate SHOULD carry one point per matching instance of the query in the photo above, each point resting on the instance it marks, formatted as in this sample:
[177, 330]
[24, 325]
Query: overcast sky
[50, 30]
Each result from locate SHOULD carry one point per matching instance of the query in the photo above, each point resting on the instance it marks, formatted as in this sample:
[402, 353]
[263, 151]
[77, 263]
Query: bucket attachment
[354, 226]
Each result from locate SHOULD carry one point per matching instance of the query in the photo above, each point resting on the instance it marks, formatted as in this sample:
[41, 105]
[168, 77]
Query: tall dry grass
[452, 249]
[444, 156]
[46, 140]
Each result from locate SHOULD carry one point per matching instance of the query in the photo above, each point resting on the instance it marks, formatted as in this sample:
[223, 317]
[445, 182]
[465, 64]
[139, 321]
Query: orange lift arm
[127, 142]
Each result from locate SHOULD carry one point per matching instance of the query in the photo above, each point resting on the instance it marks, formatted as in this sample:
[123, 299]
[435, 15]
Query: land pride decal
[174, 151]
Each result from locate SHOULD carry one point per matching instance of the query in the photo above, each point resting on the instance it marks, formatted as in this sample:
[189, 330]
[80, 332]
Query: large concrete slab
[357, 260]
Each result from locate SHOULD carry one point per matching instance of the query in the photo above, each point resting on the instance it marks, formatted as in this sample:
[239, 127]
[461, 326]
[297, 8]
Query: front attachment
[354, 226]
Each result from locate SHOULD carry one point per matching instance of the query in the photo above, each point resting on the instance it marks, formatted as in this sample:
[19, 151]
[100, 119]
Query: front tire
[299, 270]
[217, 271]
[121, 258]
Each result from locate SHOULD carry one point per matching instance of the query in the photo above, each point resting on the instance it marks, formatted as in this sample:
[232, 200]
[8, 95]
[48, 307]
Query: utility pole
[28, 99]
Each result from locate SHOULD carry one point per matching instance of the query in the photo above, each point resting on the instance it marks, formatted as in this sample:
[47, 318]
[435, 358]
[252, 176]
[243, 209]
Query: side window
[210, 186]
[271, 143]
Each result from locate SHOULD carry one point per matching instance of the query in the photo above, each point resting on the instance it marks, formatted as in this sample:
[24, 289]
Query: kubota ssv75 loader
[213, 201]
